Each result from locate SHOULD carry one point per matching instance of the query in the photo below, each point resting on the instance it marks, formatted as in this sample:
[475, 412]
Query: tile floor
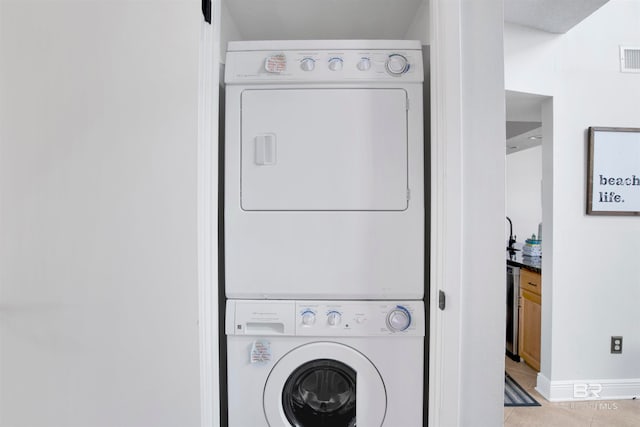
[604, 413]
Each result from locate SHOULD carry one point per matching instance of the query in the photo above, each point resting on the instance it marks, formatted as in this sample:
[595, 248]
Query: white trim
[446, 213]
[591, 389]
[543, 385]
[207, 213]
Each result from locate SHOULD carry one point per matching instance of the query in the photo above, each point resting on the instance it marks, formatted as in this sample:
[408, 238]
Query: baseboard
[581, 390]
[543, 386]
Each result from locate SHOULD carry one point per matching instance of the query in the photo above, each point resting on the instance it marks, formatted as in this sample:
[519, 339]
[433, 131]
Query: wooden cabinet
[530, 318]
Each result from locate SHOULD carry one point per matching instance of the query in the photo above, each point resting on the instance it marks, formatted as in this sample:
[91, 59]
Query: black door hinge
[206, 10]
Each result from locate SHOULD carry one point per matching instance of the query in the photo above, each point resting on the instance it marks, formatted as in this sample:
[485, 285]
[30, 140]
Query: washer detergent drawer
[324, 150]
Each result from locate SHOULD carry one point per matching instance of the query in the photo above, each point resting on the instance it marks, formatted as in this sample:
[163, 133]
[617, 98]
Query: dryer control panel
[300, 63]
[325, 318]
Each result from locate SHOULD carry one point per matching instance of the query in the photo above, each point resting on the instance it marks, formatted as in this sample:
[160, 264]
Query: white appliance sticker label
[260, 352]
[276, 63]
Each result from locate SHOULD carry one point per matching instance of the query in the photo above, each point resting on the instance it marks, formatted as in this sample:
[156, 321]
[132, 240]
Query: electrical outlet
[616, 345]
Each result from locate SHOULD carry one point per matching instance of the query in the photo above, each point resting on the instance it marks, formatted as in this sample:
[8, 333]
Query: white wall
[524, 198]
[419, 28]
[229, 30]
[98, 283]
[593, 289]
[483, 133]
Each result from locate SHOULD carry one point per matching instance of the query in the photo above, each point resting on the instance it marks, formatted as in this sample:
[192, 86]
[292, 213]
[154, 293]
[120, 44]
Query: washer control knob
[334, 318]
[308, 318]
[364, 64]
[308, 64]
[398, 319]
[397, 64]
[335, 64]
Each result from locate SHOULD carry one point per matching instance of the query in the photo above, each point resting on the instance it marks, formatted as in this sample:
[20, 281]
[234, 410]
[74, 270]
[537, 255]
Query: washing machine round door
[324, 384]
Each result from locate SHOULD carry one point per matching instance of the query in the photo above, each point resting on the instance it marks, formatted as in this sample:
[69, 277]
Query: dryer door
[324, 384]
[324, 149]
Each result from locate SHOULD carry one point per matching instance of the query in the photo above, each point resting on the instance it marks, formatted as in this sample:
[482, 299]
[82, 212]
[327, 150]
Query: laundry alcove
[309, 20]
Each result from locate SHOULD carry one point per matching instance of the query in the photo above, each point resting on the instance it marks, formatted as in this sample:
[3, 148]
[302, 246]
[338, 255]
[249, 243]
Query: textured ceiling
[554, 16]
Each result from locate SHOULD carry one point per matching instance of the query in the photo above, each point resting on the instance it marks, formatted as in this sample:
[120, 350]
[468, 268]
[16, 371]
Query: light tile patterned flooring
[602, 413]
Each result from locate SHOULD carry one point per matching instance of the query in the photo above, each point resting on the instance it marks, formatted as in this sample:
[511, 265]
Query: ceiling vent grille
[629, 59]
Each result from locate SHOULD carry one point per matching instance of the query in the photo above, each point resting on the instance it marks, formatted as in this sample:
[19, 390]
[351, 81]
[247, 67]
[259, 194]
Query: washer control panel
[360, 318]
[325, 318]
[324, 65]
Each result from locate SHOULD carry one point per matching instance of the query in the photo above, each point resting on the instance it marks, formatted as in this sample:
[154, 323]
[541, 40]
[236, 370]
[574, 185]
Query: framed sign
[614, 171]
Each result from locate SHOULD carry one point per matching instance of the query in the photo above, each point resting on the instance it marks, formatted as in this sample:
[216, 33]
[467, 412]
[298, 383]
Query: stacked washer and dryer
[324, 233]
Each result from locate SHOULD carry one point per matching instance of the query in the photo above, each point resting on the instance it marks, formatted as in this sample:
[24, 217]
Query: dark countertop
[516, 259]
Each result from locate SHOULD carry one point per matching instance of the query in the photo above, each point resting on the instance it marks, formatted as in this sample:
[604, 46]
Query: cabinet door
[531, 281]
[529, 339]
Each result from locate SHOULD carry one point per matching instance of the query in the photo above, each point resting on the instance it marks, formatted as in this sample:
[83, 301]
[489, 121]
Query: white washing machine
[325, 363]
[324, 175]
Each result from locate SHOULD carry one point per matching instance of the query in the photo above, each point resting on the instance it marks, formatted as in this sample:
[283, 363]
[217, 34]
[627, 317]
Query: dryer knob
[398, 319]
[335, 64]
[308, 318]
[364, 64]
[307, 64]
[397, 64]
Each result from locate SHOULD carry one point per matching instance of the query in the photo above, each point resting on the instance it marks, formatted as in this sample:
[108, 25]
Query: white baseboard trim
[581, 390]
[543, 386]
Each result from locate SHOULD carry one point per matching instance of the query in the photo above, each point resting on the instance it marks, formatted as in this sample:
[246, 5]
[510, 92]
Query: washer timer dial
[399, 319]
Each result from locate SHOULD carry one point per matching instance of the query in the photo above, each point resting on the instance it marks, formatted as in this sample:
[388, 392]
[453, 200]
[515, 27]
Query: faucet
[512, 238]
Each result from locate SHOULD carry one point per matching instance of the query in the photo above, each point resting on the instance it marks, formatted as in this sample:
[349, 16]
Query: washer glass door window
[324, 384]
[321, 393]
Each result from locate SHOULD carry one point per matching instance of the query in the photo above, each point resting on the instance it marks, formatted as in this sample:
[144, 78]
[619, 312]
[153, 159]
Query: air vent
[629, 59]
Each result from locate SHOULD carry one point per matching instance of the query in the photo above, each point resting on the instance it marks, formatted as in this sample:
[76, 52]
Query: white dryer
[324, 175]
[325, 363]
